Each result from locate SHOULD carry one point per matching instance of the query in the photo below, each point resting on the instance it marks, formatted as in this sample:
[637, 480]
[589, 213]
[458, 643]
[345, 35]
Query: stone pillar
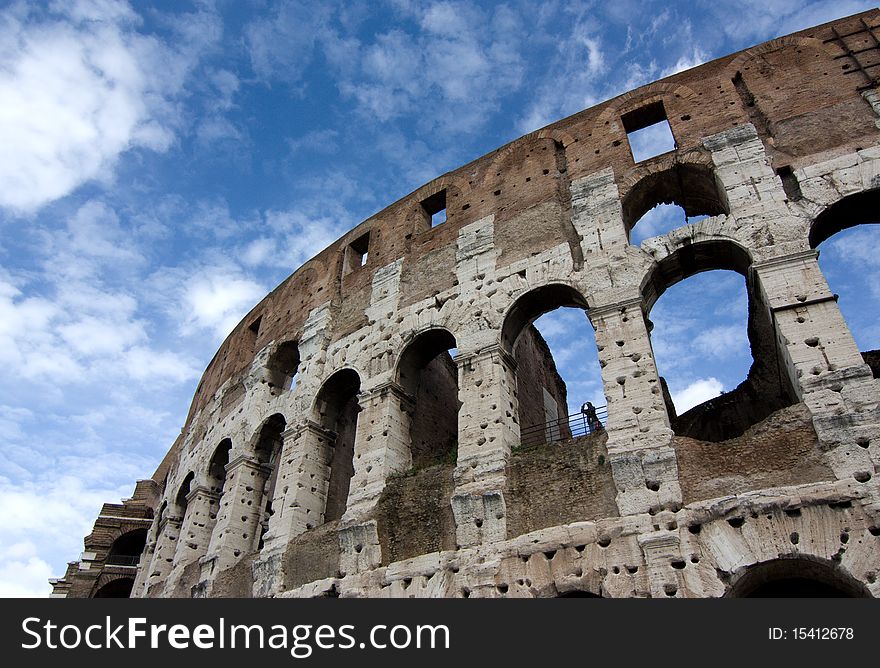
[163, 556]
[140, 580]
[239, 515]
[639, 435]
[487, 431]
[301, 491]
[195, 532]
[381, 446]
[822, 359]
[660, 549]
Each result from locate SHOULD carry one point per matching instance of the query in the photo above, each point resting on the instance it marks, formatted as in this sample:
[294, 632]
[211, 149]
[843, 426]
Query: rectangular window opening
[253, 331]
[790, 183]
[648, 131]
[435, 208]
[357, 252]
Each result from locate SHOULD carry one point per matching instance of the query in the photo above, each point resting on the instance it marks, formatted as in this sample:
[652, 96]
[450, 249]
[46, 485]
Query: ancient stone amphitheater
[334, 447]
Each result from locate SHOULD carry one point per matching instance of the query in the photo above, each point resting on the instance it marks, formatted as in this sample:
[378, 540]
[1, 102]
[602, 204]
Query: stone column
[195, 532]
[301, 491]
[639, 435]
[140, 580]
[381, 446]
[822, 359]
[163, 556]
[239, 515]
[487, 431]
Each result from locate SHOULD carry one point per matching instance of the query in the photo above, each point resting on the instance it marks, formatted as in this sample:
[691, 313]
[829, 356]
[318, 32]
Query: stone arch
[855, 299]
[514, 154]
[642, 96]
[578, 593]
[791, 41]
[216, 472]
[282, 366]
[857, 209]
[336, 409]
[795, 576]
[767, 387]
[428, 376]
[686, 257]
[127, 548]
[117, 587]
[542, 395]
[758, 76]
[183, 491]
[689, 183]
[530, 304]
[267, 445]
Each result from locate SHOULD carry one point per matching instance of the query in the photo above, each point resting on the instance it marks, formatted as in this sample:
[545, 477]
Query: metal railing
[123, 560]
[563, 429]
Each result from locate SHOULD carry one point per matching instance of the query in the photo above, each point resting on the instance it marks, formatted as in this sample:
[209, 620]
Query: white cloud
[66, 511]
[282, 45]
[26, 577]
[696, 393]
[450, 76]
[687, 61]
[80, 86]
[216, 299]
[723, 341]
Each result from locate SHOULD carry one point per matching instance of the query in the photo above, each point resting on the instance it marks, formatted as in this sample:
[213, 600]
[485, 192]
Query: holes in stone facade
[337, 407]
[282, 367]
[356, 253]
[434, 208]
[253, 332]
[790, 183]
[648, 131]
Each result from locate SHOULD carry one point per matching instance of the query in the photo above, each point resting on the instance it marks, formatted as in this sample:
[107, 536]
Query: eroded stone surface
[773, 144]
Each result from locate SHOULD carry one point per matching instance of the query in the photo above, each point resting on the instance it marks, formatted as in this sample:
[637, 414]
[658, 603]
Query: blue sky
[163, 165]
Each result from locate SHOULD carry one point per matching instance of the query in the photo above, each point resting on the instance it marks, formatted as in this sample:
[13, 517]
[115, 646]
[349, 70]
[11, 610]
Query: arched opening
[337, 407]
[665, 200]
[126, 550]
[282, 367]
[578, 593]
[849, 236]
[161, 515]
[428, 374]
[557, 369]
[119, 588]
[217, 466]
[181, 499]
[714, 342]
[660, 220]
[799, 577]
[268, 452]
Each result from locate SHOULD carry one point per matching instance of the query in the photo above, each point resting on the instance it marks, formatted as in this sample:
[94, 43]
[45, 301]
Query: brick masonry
[769, 141]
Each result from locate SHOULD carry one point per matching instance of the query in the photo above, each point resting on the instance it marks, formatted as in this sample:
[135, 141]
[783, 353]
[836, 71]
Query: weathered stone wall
[772, 144]
[536, 375]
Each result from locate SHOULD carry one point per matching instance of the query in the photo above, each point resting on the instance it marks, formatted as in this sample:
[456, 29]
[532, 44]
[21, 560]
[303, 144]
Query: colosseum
[386, 422]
